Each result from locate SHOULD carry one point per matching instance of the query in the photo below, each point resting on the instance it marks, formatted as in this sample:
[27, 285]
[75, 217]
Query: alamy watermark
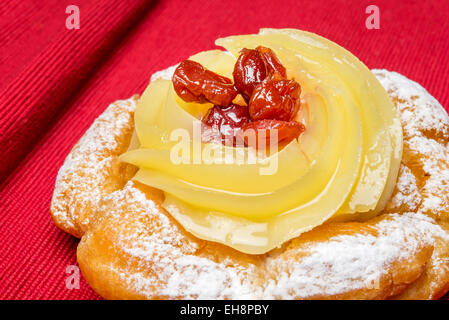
[73, 279]
[73, 20]
[251, 147]
[373, 19]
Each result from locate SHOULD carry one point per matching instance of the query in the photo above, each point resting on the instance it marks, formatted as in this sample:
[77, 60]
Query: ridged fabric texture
[54, 82]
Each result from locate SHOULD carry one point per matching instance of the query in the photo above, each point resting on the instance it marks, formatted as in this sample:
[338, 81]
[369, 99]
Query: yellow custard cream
[344, 166]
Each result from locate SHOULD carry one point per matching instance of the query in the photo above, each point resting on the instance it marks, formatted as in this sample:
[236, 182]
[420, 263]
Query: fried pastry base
[131, 248]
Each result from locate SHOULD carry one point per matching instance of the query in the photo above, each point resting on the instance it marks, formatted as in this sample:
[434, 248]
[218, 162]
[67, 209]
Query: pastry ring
[131, 248]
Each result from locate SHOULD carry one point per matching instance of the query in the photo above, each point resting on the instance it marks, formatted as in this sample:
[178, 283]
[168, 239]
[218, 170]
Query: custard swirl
[345, 163]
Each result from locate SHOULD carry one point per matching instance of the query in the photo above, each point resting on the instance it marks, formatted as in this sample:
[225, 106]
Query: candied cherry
[275, 99]
[249, 70]
[193, 83]
[286, 130]
[275, 68]
[272, 101]
[225, 121]
[254, 66]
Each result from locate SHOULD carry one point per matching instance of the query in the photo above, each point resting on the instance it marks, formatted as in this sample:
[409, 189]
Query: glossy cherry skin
[254, 66]
[275, 99]
[225, 121]
[286, 130]
[193, 83]
[249, 71]
[275, 68]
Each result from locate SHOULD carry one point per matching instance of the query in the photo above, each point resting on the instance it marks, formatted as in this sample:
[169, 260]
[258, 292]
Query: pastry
[357, 207]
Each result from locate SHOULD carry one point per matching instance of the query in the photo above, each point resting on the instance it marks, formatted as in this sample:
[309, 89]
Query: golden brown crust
[92, 169]
[111, 259]
[131, 248]
[434, 281]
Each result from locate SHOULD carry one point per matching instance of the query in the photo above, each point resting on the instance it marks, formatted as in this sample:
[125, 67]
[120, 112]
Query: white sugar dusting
[165, 74]
[342, 263]
[407, 194]
[89, 165]
[421, 113]
[350, 262]
[180, 272]
[429, 115]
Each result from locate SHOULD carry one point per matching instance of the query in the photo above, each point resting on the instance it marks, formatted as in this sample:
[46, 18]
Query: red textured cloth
[30, 101]
[54, 82]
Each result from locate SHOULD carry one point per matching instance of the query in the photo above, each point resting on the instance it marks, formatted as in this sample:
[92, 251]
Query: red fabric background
[54, 82]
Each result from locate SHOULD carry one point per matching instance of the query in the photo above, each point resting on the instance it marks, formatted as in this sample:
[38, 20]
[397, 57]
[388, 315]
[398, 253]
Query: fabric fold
[30, 102]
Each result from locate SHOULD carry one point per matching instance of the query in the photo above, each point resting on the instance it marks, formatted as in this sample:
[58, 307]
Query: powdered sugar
[429, 116]
[342, 263]
[407, 193]
[426, 131]
[163, 245]
[165, 74]
[351, 262]
[91, 162]
[435, 166]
